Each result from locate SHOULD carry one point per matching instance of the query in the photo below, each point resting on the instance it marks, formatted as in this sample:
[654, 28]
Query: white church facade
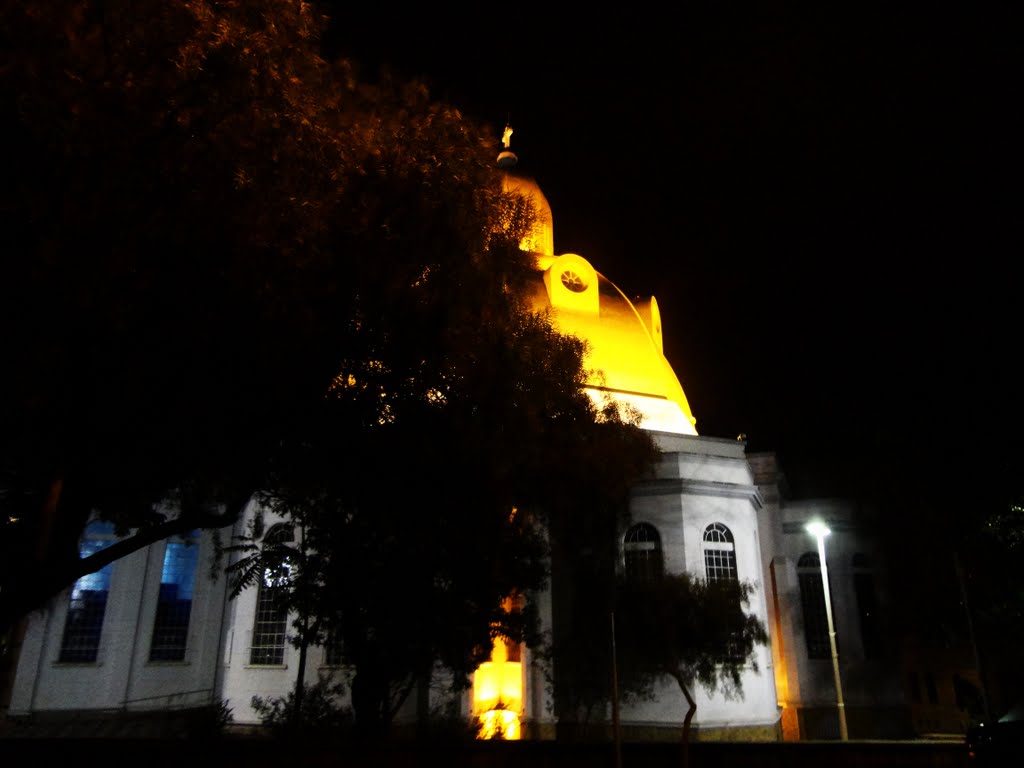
[156, 631]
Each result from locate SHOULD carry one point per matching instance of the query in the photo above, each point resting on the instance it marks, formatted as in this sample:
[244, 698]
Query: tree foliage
[434, 511]
[692, 630]
[593, 508]
[993, 594]
[316, 712]
[165, 282]
[201, 225]
[235, 270]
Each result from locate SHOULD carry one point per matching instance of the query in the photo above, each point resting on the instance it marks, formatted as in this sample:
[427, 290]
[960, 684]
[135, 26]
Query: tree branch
[45, 580]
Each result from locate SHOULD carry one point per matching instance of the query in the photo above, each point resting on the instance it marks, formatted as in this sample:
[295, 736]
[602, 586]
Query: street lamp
[819, 531]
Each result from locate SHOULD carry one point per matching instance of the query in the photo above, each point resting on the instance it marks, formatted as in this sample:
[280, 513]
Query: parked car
[999, 743]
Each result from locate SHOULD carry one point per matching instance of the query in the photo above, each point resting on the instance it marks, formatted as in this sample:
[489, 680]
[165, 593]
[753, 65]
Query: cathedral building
[153, 631]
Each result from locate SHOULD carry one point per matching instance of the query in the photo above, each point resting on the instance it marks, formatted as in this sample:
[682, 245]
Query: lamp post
[819, 531]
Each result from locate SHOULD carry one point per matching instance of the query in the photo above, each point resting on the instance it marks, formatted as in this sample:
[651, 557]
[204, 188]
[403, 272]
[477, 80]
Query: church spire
[507, 158]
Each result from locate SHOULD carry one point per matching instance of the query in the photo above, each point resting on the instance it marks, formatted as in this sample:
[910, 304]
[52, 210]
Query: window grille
[174, 601]
[812, 600]
[719, 553]
[720, 565]
[642, 553]
[83, 626]
[270, 625]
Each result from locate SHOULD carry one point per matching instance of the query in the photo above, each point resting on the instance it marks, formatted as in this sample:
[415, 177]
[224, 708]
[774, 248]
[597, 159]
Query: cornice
[678, 486]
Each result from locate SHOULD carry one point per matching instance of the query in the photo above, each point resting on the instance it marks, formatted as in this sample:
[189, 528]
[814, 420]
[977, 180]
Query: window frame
[82, 635]
[172, 620]
[643, 558]
[270, 617]
[719, 547]
[865, 592]
[812, 606]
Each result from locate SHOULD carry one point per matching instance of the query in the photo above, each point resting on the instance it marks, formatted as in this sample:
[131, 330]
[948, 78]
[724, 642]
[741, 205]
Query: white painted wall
[699, 481]
[122, 677]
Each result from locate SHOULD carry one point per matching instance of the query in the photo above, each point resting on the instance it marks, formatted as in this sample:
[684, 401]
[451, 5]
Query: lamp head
[817, 529]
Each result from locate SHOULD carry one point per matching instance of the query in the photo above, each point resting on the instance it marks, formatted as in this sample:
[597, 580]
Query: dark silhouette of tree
[437, 507]
[196, 211]
[689, 629]
[281, 558]
[166, 284]
[234, 270]
[992, 601]
[593, 506]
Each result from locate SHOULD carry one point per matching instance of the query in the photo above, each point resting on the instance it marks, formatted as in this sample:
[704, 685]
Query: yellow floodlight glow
[498, 690]
[486, 685]
[500, 724]
[498, 682]
[625, 341]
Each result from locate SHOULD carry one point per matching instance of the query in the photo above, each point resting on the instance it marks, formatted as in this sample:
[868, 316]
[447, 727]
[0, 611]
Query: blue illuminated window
[174, 602]
[84, 623]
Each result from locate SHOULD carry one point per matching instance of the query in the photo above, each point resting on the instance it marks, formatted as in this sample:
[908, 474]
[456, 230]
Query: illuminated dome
[624, 339]
[541, 239]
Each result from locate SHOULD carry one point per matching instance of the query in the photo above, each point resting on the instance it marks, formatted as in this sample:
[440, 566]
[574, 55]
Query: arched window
[270, 625]
[642, 552]
[719, 553]
[867, 606]
[812, 600]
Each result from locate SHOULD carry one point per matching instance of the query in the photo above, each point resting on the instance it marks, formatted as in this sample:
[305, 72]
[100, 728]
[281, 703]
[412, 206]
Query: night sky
[826, 207]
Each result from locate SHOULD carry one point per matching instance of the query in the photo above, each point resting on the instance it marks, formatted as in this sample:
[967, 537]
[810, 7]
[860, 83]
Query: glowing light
[496, 681]
[499, 724]
[498, 687]
[498, 695]
[625, 342]
[541, 238]
[818, 529]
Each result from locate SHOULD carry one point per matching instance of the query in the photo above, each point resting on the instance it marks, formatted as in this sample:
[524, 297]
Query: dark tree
[232, 270]
[992, 601]
[165, 287]
[592, 503]
[434, 499]
[280, 558]
[689, 629]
